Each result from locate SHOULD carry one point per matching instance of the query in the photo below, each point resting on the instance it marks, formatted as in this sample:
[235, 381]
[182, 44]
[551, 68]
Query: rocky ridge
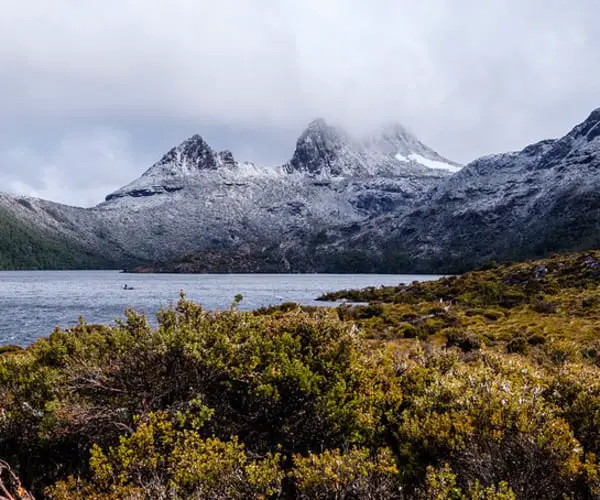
[530, 203]
[197, 201]
[341, 203]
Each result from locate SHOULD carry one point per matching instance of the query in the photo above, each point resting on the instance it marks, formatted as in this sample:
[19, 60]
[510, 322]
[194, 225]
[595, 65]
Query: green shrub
[488, 421]
[301, 402]
[354, 474]
[517, 345]
[163, 459]
[410, 331]
[295, 382]
[463, 340]
[543, 306]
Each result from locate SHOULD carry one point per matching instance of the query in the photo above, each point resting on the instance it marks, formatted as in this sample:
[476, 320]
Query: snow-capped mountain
[342, 203]
[324, 150]
[190, 162]
[542, 199]
[196, 200]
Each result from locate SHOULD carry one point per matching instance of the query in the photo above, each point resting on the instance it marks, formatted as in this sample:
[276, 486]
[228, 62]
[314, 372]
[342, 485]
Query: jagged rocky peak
[181, 165]
[192, 154]
[590, 128]
[226, 158]
[581, 146]
[318, 148]
[323, 149]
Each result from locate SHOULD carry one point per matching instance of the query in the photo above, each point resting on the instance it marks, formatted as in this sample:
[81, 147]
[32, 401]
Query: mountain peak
[590, 128]
[394, 130]
[318, 148]
[594, 115]
[582, 131]
[317, 124]
[323, 149]
[227, 158]
[192, 153]
[193, 138]
[319, 129]
[176, 167]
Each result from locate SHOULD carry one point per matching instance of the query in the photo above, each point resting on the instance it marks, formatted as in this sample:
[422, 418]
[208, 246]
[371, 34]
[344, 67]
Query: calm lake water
[32, 303]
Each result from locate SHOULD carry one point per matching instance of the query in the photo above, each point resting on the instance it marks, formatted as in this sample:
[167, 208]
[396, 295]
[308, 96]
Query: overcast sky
[93, 92]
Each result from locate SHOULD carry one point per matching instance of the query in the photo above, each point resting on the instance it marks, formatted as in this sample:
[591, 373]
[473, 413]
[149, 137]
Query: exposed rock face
[529, 203]
[324, 150]
[319, 149]
[196, 201]
[193, 153]
[381, 203]
[188, 159]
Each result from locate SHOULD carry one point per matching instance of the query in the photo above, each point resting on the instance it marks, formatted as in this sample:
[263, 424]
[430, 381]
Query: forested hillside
[25, 247]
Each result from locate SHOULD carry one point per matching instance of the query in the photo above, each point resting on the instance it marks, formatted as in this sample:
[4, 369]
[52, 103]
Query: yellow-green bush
[483, 386]
[164, 459]
[358, 473]
[490, 421]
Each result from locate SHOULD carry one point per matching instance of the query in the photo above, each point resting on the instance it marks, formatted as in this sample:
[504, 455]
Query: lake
[32, 303]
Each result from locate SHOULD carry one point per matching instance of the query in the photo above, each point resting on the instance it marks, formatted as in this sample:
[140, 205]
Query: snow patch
[401, 157]
[427, 162]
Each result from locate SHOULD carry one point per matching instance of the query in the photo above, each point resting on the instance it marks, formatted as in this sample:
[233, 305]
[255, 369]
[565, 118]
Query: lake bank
[482, 386]
[34, 302]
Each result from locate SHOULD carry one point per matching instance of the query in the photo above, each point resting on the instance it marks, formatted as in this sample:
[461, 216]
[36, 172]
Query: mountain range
[531, 203]
[380, 202]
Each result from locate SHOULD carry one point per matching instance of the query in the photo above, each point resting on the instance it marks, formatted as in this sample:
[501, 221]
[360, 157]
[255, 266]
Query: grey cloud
[468, 77]
[80, 170]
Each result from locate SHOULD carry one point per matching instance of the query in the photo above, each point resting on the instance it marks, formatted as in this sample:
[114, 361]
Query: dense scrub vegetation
[483, 386]
[24, 247]
[491, 285]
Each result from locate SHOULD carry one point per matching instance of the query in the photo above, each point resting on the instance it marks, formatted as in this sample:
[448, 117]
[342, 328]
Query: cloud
[80, 171]
[468, 77]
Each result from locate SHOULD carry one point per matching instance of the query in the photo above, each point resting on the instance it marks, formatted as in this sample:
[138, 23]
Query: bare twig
[21, 493]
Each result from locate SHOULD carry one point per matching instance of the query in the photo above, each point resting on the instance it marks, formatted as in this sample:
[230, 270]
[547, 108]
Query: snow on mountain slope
[514, 205]
[81, 229]
[192, 161]
[388, 196]
[196, 199]
[429, 163]
[324, 150]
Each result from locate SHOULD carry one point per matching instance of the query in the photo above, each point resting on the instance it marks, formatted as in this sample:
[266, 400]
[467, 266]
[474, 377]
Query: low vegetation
[25, 247]
[481, 386]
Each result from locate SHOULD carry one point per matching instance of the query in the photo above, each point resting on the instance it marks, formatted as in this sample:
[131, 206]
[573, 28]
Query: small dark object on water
[127, 287]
